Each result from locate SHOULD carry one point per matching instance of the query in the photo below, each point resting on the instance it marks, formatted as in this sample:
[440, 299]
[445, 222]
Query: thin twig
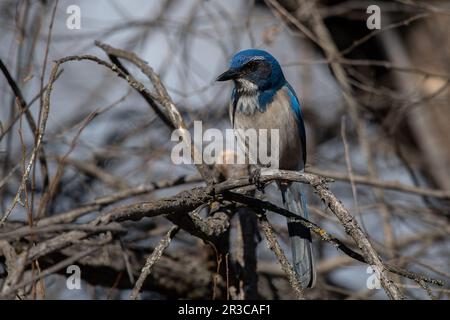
[152, 259]
[165, 100]
[53, 269]
[390, 185]
[284, 262]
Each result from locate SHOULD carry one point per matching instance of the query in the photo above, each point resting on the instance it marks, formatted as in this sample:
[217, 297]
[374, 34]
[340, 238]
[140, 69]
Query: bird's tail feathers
[294, 200]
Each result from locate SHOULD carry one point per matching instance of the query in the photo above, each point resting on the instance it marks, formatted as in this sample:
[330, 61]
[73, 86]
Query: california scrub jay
[263, 99]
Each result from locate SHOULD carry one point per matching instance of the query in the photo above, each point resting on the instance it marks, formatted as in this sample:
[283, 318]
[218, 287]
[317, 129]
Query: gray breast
[277, 115]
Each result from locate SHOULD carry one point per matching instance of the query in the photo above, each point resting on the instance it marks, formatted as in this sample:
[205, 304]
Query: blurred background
[377, 113]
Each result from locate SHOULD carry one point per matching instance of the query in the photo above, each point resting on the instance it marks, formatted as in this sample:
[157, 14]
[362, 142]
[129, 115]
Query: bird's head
[254, 70]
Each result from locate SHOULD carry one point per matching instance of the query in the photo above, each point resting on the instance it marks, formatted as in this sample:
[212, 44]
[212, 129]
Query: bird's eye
[252, 64]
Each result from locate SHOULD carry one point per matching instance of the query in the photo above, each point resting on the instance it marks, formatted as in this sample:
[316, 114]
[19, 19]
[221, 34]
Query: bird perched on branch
[263, 99]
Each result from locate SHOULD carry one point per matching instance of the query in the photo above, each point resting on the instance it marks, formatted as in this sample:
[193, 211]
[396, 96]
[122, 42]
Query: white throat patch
[245, 86]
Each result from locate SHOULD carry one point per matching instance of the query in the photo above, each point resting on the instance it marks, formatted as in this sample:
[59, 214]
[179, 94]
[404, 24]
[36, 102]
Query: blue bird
[263, 99]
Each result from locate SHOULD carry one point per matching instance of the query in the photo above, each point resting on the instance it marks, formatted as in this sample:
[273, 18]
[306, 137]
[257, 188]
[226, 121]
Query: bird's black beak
[229, 75]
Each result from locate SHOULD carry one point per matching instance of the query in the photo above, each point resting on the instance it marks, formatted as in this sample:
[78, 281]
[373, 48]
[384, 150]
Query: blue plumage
[263, 99]
[295, 104]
